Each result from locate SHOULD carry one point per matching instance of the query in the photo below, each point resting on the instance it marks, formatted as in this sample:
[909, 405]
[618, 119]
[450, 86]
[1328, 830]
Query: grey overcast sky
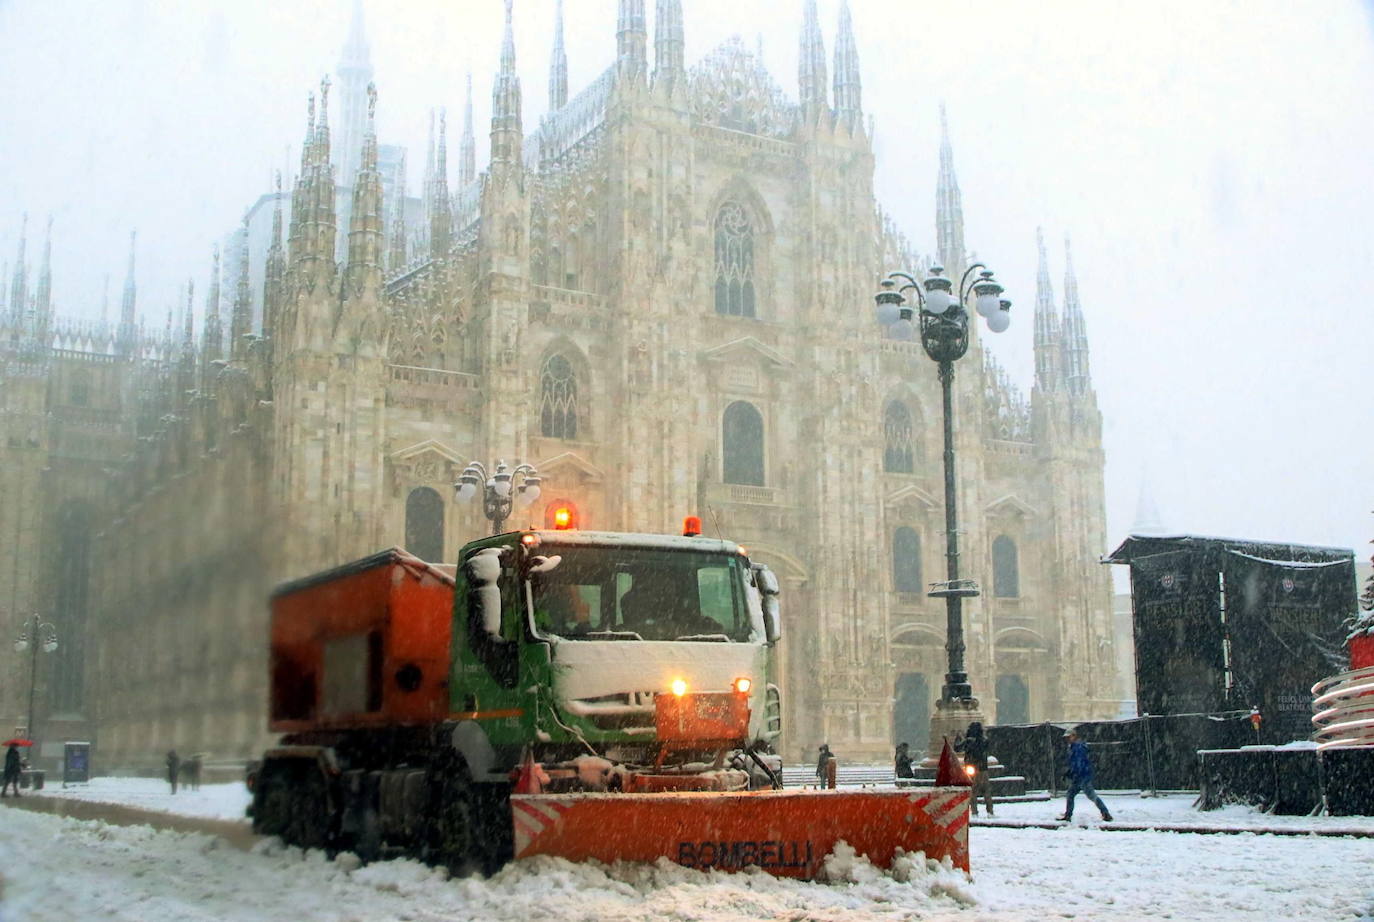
[1211, 160]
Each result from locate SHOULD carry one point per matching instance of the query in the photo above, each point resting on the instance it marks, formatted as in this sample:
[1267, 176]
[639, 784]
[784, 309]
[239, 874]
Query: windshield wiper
[612, 635]
[717, 638]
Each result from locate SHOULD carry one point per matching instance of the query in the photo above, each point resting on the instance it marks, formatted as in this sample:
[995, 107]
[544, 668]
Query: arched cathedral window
[742, 444]
[906, 560]
[898, 452]
[425, 524]
[1006, 578]
[558, 399]
[734, 261]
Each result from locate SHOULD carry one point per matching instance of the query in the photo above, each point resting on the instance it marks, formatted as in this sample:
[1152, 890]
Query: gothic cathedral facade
[661, 298]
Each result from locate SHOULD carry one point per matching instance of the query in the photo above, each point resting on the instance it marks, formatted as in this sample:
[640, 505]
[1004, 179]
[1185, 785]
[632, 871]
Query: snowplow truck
[589, 695]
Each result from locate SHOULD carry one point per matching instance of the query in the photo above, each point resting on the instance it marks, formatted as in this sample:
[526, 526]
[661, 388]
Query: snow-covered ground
[212, 801]
[227, 802]
[59, 868]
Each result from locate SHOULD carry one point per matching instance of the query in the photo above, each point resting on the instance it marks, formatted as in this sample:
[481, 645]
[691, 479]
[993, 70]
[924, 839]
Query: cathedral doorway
[1013, 700]
[911, 711]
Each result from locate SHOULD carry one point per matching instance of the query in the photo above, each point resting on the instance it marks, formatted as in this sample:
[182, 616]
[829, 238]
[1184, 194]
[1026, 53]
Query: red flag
[951, 770]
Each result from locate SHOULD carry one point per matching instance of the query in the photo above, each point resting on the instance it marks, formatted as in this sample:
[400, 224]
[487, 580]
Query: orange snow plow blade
[786, 833]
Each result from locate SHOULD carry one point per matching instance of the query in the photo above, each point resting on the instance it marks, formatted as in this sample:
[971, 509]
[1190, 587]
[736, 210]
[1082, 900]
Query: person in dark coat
[13, 767]
[903, 763]
[1080, 776]
[173, 768]
[826, 756]
[974, 747]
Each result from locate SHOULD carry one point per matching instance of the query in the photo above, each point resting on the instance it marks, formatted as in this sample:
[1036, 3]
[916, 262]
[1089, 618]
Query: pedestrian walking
[13, 768]
[974, 747]
[826, 756]
[1080, 775]
[173, 768]
[902, 768]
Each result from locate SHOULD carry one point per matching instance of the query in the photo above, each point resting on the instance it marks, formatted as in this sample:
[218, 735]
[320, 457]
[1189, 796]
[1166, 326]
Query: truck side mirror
[544, 564]
[767, 583]
[483, 570]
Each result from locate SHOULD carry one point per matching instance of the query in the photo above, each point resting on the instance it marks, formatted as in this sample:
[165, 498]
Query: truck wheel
[311, 812]
[271, 803]
[453, 836]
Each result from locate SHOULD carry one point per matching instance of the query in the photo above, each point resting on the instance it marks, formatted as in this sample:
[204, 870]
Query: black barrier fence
[1148, 753]
[1286, 782]
[1294, 782]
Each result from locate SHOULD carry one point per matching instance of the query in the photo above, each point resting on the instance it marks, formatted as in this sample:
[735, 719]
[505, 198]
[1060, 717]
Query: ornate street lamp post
[35, 634]
[943, 329]
[500, 493]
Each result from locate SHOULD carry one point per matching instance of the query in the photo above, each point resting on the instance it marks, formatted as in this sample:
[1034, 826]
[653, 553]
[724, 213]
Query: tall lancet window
[558, 399]
[742, 444]
[734, 261]
[898, 455]
[1006, 577]
[425, 524]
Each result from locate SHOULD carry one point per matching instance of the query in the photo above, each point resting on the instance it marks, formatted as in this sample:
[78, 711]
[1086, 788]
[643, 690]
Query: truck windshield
[600, 593]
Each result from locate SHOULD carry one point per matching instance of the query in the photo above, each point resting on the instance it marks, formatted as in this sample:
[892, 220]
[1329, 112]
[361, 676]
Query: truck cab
[622, 646]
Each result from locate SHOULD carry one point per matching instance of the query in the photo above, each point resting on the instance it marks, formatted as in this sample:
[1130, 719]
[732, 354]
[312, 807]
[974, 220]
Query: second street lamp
[940, 319]
[36, 634]
[500, 492]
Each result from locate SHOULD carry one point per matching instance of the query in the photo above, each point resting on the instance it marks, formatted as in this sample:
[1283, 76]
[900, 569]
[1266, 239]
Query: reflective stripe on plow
[530, 820]
[946, 810]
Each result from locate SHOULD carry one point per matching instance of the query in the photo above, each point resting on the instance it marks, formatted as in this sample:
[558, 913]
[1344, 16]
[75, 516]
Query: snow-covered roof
[575, 537]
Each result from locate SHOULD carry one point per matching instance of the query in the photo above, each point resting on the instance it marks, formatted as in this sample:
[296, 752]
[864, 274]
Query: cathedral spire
[273, 277]
[848, 90]
[127, 328]
[241, 320]
[188, 318]
[186, 349]
[355, 74]
[467, 148]
[558, 64]
[1075, 331]
[105, 301]
[429, 159]
[669, 42]
[42, 299]
[631, 36]
[506, 138]
[321, 143]
[365, 223]
[1047, 348]
[440, 211]
[319, 221]
[212, 343]
[396, 258]
[811, 66]
[949, 208]
[299, 219]
[19, 287]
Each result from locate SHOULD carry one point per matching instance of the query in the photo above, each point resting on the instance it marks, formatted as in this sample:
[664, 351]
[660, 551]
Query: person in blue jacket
[1081, 777]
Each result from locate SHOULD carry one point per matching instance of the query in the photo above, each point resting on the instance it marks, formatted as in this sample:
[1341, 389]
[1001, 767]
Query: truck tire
[271, 802]
[292, 801]
[454, 838]
[312, 813]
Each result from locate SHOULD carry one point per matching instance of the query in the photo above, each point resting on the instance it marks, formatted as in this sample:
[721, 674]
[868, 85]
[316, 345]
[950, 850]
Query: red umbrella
[17, 742]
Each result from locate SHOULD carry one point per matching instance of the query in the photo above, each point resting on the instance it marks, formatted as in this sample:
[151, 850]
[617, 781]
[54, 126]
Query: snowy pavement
[59, 868]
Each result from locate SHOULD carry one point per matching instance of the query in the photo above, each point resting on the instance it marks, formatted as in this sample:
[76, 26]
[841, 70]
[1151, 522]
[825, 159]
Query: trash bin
[31, 778]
